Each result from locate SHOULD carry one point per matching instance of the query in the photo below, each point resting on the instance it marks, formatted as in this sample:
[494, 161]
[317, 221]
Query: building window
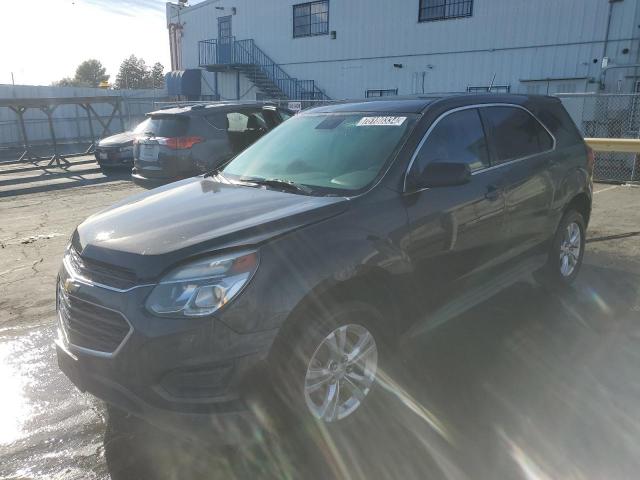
[489, 89]
[442, 9]
[311, 19]
[389, 92]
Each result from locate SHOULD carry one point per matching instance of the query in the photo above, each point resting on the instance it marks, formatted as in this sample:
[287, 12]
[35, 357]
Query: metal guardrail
[620, 145]
[608, 116]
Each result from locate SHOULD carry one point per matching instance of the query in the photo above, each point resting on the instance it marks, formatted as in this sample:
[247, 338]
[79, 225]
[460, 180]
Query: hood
[149, 232]
[121, 139]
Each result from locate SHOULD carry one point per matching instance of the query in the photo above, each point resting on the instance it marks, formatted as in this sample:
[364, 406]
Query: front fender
[309, 262]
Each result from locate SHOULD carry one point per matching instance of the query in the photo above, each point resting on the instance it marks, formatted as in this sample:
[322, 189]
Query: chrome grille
[100, 273]
[90, 326]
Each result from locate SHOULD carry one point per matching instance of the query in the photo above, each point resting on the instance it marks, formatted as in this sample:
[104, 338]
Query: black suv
[181, 142]
[299, 263]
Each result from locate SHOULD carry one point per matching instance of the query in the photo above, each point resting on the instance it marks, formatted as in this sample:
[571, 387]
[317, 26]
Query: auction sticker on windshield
[381, 121]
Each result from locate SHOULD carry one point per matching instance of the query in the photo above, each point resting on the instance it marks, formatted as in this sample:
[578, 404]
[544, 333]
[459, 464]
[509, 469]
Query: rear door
[524, 150]
[455, 230]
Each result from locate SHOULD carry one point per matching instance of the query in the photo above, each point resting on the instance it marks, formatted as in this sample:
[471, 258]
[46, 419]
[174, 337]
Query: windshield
[329, 151]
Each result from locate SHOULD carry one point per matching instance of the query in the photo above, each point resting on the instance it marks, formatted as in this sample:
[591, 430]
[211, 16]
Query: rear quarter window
[556, 118]
[516, 133]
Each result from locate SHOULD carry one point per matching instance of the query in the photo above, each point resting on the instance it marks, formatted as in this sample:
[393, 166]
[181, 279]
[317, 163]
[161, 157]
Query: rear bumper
[234, 426]
[140, 179]
[170, 165]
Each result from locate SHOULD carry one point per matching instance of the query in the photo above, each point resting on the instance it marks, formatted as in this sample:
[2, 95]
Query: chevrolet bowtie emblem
[69, 286]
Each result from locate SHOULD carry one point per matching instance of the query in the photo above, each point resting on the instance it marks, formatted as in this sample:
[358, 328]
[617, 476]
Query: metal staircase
[246, 57]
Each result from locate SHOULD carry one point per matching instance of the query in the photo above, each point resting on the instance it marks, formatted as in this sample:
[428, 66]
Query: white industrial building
[355, 48]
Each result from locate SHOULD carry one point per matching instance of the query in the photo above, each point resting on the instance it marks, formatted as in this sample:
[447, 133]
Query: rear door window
[238, 122]
[457, 138]
[167, 126]
[516, 133]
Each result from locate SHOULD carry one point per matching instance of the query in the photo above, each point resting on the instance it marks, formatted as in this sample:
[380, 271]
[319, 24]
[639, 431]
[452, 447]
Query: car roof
[205, 108]
[420, 103]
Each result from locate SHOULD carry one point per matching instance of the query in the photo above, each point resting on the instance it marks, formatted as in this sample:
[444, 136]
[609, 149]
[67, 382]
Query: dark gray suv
[181, 142]
[292, 271]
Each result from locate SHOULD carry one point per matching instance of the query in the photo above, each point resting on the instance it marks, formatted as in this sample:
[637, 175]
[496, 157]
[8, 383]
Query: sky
[45, 40]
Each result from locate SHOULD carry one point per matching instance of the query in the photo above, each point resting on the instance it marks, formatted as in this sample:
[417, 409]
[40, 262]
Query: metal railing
[208, 52]
[247, 53]
[620, 145]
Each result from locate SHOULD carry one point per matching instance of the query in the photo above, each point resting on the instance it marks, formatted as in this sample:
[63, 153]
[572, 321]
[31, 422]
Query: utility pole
[13, 81]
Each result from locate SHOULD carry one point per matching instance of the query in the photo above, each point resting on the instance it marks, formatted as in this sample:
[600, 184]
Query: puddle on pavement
[48, 429]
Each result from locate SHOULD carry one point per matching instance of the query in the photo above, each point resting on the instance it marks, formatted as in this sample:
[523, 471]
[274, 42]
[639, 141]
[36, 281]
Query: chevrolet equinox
[300, 262]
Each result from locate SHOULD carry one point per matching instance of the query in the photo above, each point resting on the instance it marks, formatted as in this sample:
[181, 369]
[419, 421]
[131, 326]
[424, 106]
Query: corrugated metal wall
[70, 121]
[515, 40]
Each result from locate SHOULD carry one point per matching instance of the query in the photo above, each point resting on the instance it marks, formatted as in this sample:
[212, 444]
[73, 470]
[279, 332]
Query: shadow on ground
[527, 385]
[23, 178]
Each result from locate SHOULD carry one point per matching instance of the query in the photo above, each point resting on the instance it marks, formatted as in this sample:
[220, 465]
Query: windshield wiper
[287, 185]
[214, 173]
[217, 171]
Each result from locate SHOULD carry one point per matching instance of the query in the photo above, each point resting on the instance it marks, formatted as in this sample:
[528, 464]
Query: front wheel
[340, 372]
[328, 371]
[567, 252]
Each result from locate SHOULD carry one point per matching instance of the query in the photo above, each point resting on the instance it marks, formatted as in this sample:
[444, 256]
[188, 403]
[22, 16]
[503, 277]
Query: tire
[107, 169]
[309, 368]
[566, 254]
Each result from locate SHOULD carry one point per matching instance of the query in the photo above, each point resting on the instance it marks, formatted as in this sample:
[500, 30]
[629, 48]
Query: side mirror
[443, 175]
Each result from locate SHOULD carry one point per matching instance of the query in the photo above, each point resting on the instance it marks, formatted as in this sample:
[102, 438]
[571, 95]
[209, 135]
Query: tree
[65, 82]
[133, 73]
[157, 75]
[91, 73]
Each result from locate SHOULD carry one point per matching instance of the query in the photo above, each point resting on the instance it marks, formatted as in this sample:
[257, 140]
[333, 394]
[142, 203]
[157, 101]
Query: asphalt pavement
[529, 384]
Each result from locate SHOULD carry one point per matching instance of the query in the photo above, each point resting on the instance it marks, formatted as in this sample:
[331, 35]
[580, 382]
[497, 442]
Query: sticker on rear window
[381, 121]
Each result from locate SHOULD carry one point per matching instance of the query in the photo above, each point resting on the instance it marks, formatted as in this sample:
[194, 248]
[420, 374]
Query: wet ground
[526, 385]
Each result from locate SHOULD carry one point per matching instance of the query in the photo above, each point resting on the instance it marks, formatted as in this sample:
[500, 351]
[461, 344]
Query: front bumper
[228, 427]
[181, 374]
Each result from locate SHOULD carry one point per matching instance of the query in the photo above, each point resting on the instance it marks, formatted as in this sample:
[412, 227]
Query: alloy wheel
[341, 372]
[570, 249]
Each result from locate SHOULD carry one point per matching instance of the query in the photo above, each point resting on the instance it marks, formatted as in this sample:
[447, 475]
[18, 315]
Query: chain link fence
[608, 116]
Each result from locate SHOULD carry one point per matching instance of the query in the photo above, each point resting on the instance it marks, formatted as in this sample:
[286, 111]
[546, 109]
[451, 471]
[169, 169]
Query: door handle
[493, 192]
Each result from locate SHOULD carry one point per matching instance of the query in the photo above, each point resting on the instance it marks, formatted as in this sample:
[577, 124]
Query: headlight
[201, 287]
[126, 149]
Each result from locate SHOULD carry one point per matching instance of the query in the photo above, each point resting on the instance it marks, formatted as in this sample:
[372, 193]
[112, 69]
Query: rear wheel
[567, 252]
